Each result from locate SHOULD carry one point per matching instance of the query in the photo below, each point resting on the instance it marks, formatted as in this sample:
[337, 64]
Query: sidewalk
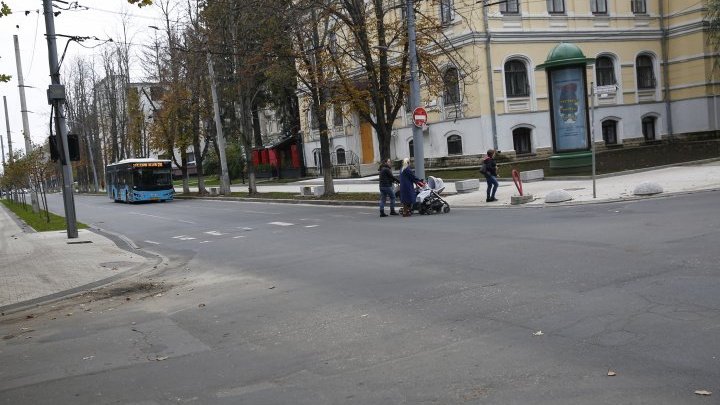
[681, 178]
[38, 267]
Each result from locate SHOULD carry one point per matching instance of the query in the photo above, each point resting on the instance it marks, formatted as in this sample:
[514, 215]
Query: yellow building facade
[655, 54]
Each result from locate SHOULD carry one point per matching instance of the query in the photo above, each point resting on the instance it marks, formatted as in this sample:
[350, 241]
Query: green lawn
[296, 196]
[38, 221]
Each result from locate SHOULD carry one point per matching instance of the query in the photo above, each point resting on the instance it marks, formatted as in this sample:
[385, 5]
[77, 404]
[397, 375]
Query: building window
[556, 6]
[451, 83]
[314, 123]
[454, 145]
[516, 79]
[609, 132]
[598, 6]
[638, 6]
[411, 148]
[645, 72]
[340, 156]
[605, 71]
[521, 141]
[648, 128]
[337, 115]
[510, 7]
[446, 11]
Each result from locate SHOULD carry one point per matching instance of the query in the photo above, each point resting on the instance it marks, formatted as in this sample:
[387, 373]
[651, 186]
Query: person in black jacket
[491, 175]
[386, 187]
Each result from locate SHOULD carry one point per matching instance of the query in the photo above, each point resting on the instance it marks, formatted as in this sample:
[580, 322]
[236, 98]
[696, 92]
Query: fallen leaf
[703, 392]
[201, 305]
[88, 357]
[538, 333]
[611, 373]
[29, 316]
[161, 358]
[363, 315]
[158, 295]
[271, 288]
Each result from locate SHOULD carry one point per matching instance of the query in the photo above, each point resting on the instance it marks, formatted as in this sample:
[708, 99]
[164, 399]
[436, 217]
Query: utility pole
[56, 97]
[26, 124]
[224, 177]
[2, 146]
[7, 125]
[415, 91]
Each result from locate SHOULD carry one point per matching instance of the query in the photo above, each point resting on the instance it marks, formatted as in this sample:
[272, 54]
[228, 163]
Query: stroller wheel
[446, 209]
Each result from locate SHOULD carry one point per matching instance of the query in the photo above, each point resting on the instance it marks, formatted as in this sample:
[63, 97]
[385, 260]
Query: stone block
[521, 199]
[214, 191]
[467, 186]
[312, 191]
[532, 175]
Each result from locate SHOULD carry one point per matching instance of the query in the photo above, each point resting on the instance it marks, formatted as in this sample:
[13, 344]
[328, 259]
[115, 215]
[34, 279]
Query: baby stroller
[428, 200]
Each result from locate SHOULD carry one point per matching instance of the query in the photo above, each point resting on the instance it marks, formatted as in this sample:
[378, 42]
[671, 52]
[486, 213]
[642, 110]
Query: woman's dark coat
[407, 186]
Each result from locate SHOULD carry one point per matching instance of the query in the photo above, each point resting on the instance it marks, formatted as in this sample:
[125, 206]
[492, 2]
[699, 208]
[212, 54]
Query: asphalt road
[287, 304]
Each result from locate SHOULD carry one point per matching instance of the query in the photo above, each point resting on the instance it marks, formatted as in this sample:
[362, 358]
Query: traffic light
[73, 145]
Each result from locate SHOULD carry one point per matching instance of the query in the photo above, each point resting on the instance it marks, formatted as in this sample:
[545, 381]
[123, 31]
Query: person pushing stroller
[407, 187]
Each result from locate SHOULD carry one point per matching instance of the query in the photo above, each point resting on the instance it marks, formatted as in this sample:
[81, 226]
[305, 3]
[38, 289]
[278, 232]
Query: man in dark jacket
[491, 175]
[386, 187]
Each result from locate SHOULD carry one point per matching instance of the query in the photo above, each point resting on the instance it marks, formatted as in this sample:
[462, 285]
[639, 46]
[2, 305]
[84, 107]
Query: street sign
[609, 89]
[420, 117]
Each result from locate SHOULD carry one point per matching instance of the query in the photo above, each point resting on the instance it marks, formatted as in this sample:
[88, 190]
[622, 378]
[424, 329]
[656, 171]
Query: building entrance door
[366, 139]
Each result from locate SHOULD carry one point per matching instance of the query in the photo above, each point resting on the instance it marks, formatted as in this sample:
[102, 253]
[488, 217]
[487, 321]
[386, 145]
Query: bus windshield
[152, 179]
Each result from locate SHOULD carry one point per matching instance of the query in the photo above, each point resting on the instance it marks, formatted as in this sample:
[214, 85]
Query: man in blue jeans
[386, 187]
[491, 175]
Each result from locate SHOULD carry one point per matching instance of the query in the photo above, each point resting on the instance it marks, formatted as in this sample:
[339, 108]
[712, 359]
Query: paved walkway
[40, 266]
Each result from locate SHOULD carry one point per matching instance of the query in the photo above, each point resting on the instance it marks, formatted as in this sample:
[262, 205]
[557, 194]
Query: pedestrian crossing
[202, 236]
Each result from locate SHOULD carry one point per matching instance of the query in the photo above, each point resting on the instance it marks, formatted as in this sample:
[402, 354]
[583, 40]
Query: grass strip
[296, 196]
[38, 221]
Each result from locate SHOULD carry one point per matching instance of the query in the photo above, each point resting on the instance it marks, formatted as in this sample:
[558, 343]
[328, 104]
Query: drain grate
[78, 242]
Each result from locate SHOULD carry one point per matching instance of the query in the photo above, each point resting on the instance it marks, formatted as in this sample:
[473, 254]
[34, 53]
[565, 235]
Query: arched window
[451, 82]
[609, 132]
[454, 145]
[605, 71]
[648, 128]
[521, 141]
[340, 156]
[516, 79]
[645, 72]
[411, 148]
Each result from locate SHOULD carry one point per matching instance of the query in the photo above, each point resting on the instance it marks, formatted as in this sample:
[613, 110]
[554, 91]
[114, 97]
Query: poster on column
[569, 109]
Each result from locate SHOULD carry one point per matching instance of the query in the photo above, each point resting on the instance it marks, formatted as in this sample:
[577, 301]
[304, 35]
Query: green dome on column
[564, 54]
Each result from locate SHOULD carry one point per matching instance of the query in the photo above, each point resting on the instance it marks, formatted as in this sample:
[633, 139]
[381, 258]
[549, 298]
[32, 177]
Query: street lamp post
[415, 90]
[56, 97]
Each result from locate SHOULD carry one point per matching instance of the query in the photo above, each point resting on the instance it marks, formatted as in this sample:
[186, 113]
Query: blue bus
[133, 180]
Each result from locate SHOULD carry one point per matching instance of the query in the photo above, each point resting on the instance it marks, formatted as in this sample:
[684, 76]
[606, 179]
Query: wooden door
[368, 156]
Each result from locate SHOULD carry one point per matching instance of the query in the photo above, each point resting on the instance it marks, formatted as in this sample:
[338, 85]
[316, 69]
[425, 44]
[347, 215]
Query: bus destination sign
[148, 164]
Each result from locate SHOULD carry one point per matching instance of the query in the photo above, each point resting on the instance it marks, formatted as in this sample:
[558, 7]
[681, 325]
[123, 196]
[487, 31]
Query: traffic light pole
[415, 91]
[56, 97]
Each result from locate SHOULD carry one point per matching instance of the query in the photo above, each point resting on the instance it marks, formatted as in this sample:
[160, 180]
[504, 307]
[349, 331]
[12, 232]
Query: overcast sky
[101, 18]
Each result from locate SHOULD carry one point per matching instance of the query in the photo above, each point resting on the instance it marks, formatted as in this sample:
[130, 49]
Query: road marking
[183, 237]
[238, 237]
[205, 241]
[280, 223]
[158, 216]
[151, 242]
[215, 233]
[245, 228]
[311, 226]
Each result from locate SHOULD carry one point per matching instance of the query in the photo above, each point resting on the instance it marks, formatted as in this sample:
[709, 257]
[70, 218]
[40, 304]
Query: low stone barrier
[467, 186]
[312, 191]
[532, 175]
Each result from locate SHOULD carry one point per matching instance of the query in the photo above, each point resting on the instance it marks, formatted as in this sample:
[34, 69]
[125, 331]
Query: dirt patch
[129, 290]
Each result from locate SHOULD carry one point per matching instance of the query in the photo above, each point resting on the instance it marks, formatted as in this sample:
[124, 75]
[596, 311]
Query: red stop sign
[420, 117]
